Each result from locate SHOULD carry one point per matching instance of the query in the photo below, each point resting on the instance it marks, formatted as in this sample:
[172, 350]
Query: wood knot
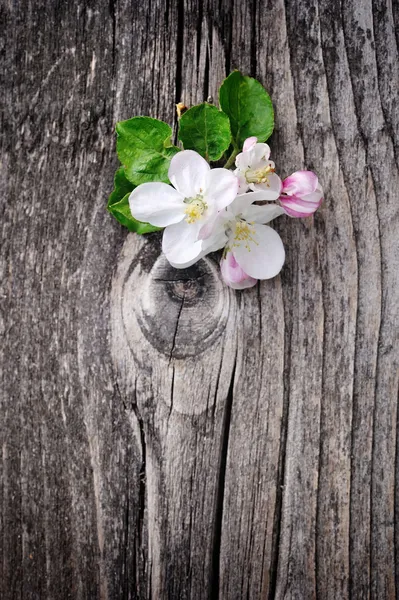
[188, 285]
[180, 312]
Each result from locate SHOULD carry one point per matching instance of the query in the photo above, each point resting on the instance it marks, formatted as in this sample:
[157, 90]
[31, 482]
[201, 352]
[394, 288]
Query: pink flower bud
[233, 275]
[301, 194]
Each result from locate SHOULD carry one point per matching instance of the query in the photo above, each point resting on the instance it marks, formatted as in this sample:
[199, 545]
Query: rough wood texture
[161, 435]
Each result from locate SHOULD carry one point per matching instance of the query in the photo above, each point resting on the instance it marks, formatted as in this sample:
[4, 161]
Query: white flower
[197, 196]
[256, 248]
[255, 171]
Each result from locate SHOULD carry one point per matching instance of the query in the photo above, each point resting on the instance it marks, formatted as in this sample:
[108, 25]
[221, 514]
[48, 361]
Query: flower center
[259, 175]
[195, 208]
[244, 233]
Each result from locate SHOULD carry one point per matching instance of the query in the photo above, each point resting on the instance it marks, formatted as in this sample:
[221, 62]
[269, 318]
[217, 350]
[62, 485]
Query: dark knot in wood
[180, 312]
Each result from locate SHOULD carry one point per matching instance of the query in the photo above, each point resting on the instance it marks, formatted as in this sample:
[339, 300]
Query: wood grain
[163, 436]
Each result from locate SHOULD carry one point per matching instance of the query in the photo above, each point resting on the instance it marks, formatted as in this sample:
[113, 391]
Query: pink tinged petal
[263, 214]
[233, 275]
[263, 257]
[156, 203]
[188, 173]
[300, 183]
[206, 230]
[271, 188]
[221, 188]
[244, 284]
[249, 143]
[180, 244]
[315, 197]
[304, 206]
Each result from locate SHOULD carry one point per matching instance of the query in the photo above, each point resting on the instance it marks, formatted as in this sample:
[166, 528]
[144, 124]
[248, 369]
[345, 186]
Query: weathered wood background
[163, 436]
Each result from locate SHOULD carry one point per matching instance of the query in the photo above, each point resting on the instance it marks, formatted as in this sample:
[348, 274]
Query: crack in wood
[219, 495]
[177, 326]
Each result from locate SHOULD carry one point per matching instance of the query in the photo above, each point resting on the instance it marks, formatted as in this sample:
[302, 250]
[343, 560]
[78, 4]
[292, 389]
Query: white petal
[188, 173]
[272, 188]
[156, 203]
[242, 201]
[259, 155]
[214, 242]
[243, 161]
[216, 224]
[221, 188]
[242, 182]
[180, 244]
[266, 255]
[263, 214]
[249, 143]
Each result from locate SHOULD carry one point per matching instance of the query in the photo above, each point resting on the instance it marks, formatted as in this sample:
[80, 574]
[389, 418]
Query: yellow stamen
[244, 232]
[195, 209]
[259, 175]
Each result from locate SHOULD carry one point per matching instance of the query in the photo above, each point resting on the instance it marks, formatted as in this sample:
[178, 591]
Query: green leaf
[248, 106]
[122, 186]
[145, 149]
[118, 205]
[205, 129]
[121, 211]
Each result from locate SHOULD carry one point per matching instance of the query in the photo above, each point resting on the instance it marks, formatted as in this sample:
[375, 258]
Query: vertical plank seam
[229, 42]
[395, 503]
[254, 40]
[277, 518]
[317, 512]
[179, 59]
[324, 331]
[176, 329]
[387, 121]
[113, 21]
[373, 442]
[142, 481]
[219, 495]
[278, 513]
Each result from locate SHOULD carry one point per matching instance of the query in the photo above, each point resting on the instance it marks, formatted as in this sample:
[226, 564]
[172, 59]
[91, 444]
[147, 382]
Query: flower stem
[231, 159]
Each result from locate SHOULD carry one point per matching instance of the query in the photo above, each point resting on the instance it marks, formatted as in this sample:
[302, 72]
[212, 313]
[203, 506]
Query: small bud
[181, 108]
[301, 194]
[233, 275]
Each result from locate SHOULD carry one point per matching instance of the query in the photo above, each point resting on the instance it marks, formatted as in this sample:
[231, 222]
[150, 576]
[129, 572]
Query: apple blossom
[301, 194]
[198, 194]
[256, 248]
[255, 171]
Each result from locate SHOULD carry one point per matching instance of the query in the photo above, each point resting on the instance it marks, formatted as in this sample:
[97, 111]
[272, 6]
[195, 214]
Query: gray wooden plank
[161, 435]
